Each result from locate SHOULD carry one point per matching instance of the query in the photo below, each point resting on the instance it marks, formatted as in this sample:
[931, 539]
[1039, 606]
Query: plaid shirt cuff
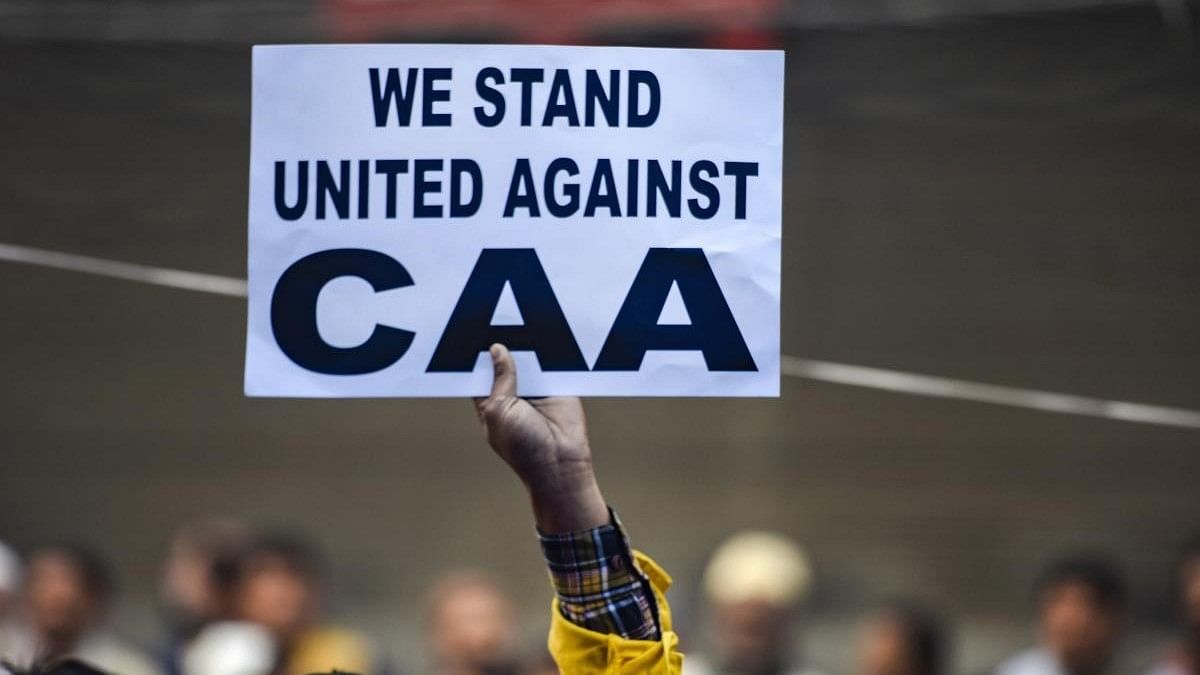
[598, 584]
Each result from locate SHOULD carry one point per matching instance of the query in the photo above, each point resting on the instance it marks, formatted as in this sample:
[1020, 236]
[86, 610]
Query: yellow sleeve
[325, 649]
[579, 651]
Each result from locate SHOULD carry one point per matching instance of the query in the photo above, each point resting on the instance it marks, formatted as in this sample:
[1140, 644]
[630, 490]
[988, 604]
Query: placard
[610, 214]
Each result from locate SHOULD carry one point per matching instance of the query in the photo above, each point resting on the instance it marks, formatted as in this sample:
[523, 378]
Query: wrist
[558, 475]
[567, 499]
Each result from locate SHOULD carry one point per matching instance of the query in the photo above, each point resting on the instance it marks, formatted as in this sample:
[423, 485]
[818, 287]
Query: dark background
[1010, 198]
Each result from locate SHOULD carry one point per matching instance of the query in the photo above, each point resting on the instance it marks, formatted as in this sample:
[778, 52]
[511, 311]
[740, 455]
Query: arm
[609, 613]
[545, 442]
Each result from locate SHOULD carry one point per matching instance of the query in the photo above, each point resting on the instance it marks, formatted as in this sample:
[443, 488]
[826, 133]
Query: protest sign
[610, 214]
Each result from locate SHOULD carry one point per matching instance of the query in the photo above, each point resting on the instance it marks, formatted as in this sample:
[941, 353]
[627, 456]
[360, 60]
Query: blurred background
[999, 191]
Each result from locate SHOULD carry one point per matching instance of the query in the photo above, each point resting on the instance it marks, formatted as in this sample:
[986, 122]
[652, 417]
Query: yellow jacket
[579, 651]
[323, 649]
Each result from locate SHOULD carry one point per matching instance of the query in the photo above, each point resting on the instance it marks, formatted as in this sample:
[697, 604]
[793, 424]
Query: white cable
[792, 366]
[158, 276]
[965, 390]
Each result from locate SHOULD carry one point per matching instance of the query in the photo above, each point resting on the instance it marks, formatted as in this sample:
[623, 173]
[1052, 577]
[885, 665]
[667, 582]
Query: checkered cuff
[598, 584]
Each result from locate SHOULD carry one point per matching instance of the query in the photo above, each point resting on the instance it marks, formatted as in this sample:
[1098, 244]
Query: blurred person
[609, 615]
[278, 585]
[754, 585]
[1184, 657]
[67, 591]
[196, 583]
[10, 580]
[1081, 610]
[472, 627]
[10, 584]
[902, 639]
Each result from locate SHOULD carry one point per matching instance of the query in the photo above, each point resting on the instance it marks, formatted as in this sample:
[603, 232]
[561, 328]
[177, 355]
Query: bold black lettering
[384, 96]
[560, 86]
[491, 95]
[338, 192]
[296, 210]
[631, 189]
[705, 188]
[469, 330]
[657, 186]
[294, 312]
[740, 170]
[459, 168]
[521, 192]
[527, 77]
[364, 187]
[570, 190]
[595, 96]
[390, 168]
[603, 178]
[713, 330]
[430, 95]
[636, 118]
[422, 187]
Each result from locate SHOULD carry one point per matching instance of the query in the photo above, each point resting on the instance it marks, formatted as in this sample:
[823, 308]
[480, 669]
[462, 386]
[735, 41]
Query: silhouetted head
[277, 583]
[754, 585]
[472, 625]
[66, 591]
[1081, 602]
[902, 639]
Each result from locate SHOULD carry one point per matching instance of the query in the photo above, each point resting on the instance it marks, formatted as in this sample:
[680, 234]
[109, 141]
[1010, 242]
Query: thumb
[504, 382]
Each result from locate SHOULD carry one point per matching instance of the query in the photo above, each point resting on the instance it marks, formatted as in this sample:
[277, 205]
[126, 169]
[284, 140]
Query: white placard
[612, 214]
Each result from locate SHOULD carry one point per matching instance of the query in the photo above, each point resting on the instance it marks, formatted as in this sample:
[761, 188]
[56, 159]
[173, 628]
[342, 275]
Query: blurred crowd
[238, 602]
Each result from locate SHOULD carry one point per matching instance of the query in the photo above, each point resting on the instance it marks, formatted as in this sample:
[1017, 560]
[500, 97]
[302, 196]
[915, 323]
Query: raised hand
[545, 442]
